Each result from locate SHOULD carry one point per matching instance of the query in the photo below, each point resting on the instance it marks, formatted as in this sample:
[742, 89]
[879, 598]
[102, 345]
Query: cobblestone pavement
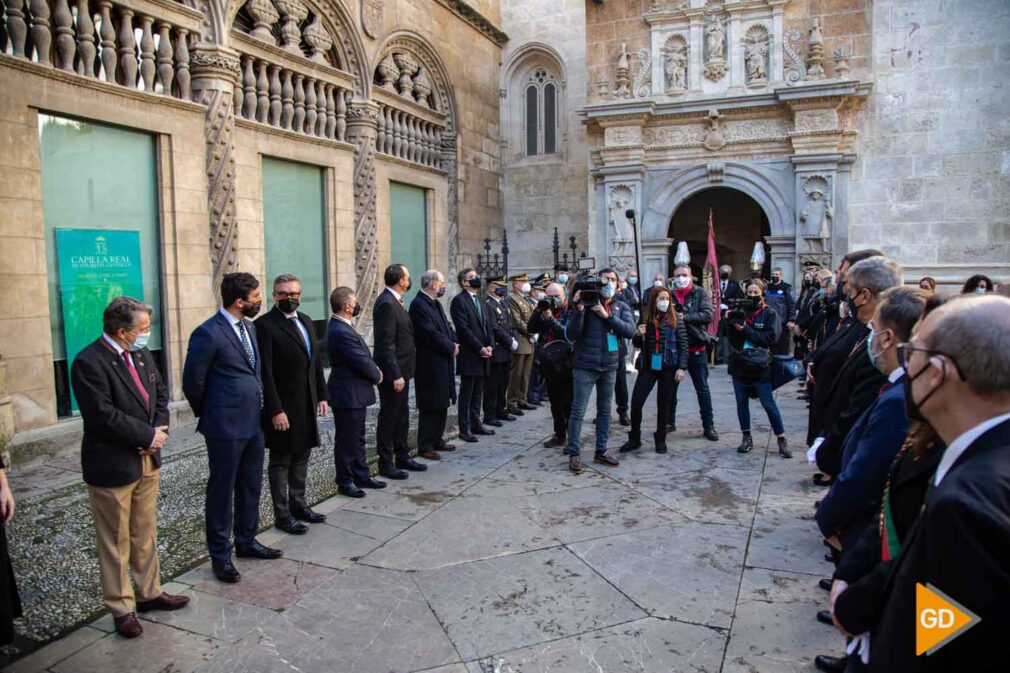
[499, 560]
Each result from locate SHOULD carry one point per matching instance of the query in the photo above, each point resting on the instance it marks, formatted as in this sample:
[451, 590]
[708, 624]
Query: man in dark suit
[394, 352]
[505, 344]
[858, 382]
[124, 406]
[436, 376]
[224, 386]
[473, 327]
[351, 388]
[294, 392]
[957, 377]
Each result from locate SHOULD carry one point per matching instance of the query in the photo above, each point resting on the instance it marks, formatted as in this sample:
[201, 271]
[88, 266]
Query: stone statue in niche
[675, 65]
[756, 56]
[622, 237]
[715, 50]
[818, 213]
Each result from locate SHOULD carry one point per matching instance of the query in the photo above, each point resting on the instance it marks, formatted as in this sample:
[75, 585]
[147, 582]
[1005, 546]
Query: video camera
[545, 304]
[589, 287]
[738, 308]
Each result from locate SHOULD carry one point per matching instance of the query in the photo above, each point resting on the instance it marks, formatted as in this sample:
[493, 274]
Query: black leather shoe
[825, 583]
[528, 407]
[493, 423]
[259, 551]
[371, 483]
[225, 571]
[830, 664]
[710, 434]
[411, 465]
[308, 516]
[507, 417]
[515, 412]
[291, 526]
[393, 473]
[351, 491]
[624, 420]
[824, 617]
[467, 437]
[555, 442]
[671, 427]
[481, 430]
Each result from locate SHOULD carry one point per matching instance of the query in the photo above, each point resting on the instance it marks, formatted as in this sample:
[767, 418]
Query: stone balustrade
[407, 136]
[142, 45]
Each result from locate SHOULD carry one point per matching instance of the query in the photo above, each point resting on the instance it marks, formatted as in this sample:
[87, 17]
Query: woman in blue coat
[662, 359]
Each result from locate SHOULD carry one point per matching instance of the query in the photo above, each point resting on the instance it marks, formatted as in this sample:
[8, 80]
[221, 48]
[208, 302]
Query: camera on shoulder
[739, 308]
[589, 287]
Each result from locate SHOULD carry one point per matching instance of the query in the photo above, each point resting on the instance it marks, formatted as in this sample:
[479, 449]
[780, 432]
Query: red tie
[136, 378]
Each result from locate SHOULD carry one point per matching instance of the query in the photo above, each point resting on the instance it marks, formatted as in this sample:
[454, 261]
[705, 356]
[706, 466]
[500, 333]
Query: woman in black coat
[756, 331]
[10, 602]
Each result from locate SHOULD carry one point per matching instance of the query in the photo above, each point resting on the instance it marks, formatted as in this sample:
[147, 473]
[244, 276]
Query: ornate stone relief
[715, 49]
[621, 235]
[818, 212]
[402, 72]
[362, 121]
[372, 17]
[643, 78]
[756, 55]
[673, 136]
[675, 60]
[815, 52]
[714, 139]
[622, 83]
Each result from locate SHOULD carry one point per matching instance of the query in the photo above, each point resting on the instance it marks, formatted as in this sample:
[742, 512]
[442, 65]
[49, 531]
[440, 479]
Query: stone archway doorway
[739, 222]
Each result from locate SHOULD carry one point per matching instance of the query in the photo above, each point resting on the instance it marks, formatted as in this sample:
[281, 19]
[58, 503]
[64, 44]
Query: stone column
[6, 412]
[450, 164]
[734, 54]
[215, 72]
[775, 46]
[362, 124]
[696, 54]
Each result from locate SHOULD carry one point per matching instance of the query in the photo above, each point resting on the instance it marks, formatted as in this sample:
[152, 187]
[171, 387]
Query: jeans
[764, 390]
[697, 368]
[583, 381]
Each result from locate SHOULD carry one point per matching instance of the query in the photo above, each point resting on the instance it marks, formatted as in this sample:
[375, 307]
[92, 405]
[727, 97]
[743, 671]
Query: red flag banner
[712, 271]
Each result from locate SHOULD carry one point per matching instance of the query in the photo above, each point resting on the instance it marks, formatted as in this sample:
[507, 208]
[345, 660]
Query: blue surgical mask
[607, 291]
[632, 280]
[140, 342]
[874, 357]
[563, 278]
[979, 290]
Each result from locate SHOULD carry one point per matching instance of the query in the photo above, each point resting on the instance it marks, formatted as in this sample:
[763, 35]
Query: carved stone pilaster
[215, 71]
[362, 121]
[450, 165]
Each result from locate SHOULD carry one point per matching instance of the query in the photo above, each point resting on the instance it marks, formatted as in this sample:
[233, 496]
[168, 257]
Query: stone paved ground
[497, 560]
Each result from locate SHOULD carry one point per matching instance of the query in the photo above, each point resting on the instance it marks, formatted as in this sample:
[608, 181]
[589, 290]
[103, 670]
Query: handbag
[785, 369]
[555, 358]
[751, 363]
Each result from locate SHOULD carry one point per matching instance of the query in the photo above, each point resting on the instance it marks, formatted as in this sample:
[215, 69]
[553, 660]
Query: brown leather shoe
[575, 464]
[163, 602]
[430, 455]
[606, 459]
[128, 626]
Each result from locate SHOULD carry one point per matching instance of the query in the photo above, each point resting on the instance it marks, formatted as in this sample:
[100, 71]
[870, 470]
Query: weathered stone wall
[845, 25]
[608, 26]
[932, 182]
[547, 191]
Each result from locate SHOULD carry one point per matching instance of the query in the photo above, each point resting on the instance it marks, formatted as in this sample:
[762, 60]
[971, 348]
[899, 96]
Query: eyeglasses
[289, 295]
[905, 350]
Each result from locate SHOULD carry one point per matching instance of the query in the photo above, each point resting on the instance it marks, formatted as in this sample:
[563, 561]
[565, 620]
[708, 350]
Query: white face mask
[657, 283]
[663, 305]
[525, 289]
[682, 281]
[624, 286]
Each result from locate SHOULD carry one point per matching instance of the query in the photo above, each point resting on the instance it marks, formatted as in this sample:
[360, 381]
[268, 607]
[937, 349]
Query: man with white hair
[957, 378]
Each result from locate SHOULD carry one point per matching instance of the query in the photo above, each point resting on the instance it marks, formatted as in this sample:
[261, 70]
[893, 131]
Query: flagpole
[630, 214]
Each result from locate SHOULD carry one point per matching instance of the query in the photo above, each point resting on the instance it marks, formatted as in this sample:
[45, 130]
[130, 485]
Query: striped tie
[246, 343]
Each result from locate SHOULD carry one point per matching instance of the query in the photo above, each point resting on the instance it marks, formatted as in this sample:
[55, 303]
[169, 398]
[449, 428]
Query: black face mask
[911, 406]
[440, 293]
[840, 290]
[357, 311]
[724, 276]
[288, 305]
[853, 308]
[252, 310]
[410, 283]
[474, 283]
[500, 292]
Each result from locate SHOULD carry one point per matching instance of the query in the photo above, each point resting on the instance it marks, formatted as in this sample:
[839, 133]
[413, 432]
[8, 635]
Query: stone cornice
[478, 21]
[287, 134]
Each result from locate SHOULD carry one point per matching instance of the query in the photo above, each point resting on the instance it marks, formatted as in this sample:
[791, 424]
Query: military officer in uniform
[504, 344]
[522, 358]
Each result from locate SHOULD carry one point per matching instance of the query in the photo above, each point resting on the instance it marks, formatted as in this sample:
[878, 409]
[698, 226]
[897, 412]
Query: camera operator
[621, 377]
[554, 357]
[595, 327]
[694, 307]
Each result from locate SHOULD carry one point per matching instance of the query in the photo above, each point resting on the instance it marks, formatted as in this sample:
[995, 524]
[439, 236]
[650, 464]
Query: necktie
[301, 330]
[480, 309]
[136, 378]
[245, 343]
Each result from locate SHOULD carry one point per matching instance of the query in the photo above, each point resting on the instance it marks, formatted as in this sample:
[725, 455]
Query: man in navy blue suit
[222, 381]
[351, 388]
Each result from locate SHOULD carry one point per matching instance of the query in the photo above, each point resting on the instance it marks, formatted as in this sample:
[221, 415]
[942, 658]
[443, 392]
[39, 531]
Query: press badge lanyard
[747, 345]
[611, 337]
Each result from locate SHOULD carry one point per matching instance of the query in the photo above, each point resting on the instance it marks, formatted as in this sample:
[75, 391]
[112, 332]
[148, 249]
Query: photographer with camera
[595, 327]
[662, 359]
[621, 376]
[554, 357]
[753, 330]
[695, 309]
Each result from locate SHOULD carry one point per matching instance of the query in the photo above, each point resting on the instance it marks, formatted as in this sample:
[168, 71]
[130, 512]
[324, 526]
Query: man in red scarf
[695, 308]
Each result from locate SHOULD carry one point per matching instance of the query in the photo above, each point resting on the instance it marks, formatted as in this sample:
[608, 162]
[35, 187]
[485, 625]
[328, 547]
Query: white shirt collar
[112, 342]
[232, 320]
[343, 319]
[394, 293]
[895, 375]
[961, 444]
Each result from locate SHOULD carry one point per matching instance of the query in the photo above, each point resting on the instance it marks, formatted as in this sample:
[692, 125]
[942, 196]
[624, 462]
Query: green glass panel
[408, 214]
[105, 178]
[294, 223]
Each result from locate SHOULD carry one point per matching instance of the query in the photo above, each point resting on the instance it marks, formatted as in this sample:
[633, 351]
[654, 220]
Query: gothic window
[541, 117]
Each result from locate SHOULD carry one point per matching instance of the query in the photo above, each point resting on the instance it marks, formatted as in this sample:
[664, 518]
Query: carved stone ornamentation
[388, 73]
[362, 119]
[715, 50]
[372, 17]
[643, 78]
[622, 83]
[408, 68]
[450, 164]
[815, 52]
[318, 40]
[795, 69]
[264, 15]
[422, 87]
[714, 140]
[756, 55]
[675, 65]
[841, 58]
[294, 12]
[620, 198]
[818, 212]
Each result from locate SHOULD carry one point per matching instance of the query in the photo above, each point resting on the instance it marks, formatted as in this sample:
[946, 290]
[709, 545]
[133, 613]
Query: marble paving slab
[641, 646]
[159, 650]
[587, 513]
[212, 616]
[534, 473]
[506, 603]
[326, 545]
[376, 527]
[271, 584]
[466, 529]
[785, 537]
[52, 654]
[686, 571]
[714, 495]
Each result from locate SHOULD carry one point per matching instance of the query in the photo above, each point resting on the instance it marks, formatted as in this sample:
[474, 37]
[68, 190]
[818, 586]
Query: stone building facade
[811, 127]
[319, 137]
